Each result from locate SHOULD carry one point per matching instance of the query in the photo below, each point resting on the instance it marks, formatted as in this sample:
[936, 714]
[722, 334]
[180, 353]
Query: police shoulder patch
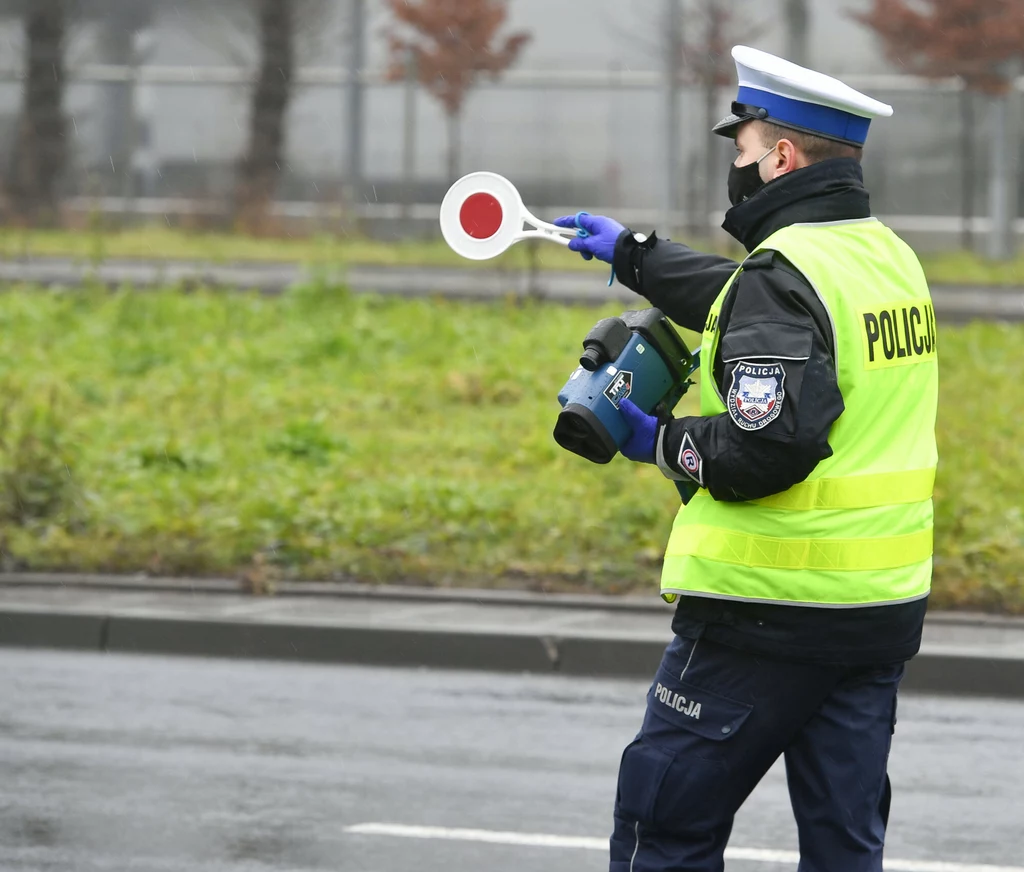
[756, 394]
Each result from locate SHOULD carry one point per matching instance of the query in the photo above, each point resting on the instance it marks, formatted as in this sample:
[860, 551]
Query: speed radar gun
[638, 355]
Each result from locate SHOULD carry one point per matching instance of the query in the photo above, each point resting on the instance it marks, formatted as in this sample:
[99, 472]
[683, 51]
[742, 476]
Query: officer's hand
[641, 444]
[604, 232]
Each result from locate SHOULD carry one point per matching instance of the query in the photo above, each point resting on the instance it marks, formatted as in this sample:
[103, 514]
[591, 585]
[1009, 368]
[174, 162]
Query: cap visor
[729, 125]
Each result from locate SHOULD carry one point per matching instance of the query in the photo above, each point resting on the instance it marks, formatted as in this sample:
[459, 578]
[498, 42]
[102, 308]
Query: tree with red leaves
[453, 43]
[979, 41]
[972, 39]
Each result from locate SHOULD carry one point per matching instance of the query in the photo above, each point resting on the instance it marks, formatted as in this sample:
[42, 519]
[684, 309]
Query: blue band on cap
[810, 116]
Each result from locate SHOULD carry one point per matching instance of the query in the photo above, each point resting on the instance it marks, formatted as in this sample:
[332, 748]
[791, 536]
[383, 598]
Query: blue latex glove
[642, 443]
[602, 234]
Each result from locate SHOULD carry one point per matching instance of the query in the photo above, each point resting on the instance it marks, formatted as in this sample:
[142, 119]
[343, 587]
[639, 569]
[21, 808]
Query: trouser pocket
[641, 772]
[675, 775]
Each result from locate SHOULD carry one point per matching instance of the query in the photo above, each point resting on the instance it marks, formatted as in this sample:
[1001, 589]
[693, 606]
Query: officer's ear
[787, 157]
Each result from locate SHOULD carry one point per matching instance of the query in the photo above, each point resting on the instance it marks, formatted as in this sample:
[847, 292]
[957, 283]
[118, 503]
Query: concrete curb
[976, 655]
[932, 671]
[964, 674]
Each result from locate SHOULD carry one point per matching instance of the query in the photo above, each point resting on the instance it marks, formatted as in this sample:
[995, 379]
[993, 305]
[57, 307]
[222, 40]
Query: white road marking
[494, 837]
[543, 840]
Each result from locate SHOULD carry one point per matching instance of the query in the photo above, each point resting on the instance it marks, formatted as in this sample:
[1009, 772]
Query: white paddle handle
[550, 232]
[545, 234]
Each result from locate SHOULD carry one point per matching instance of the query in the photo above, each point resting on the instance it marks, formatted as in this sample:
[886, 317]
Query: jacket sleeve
[775, 373]
[683, 283]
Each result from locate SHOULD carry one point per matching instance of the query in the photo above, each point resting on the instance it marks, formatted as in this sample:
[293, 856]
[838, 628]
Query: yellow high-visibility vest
[858, 531]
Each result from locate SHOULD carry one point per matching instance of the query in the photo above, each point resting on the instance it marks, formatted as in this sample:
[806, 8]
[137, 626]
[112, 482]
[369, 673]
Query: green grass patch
[967, 268]
[163, 243]
[325, 435]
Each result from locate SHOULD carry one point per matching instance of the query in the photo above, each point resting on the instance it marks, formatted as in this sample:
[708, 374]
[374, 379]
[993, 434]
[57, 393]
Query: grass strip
[326, 435]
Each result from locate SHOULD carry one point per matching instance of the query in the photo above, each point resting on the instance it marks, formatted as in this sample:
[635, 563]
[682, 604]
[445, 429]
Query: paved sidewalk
[484, 630]
[952, 302]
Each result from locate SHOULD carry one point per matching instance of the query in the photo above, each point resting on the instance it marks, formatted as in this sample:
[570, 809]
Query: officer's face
[750, 148]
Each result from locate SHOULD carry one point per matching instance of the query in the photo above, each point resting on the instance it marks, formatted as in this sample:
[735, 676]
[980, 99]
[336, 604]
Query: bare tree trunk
[704, 222]
[261, 167]
[354, 107]
[40, 148]
[1002, 241]
[409, 137]
[454, 145]
[673, 49]
[798, 19]
[967, 168]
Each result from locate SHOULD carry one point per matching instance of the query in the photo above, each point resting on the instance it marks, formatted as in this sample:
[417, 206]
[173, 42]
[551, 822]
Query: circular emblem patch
[756, 395]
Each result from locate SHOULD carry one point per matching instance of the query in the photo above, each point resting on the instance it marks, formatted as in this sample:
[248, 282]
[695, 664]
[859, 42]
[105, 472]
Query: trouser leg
[716, 721]
[837, 772]
[636, 847]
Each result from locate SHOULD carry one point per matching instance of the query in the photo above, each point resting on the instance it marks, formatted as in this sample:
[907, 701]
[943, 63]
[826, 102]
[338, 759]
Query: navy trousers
[716, 720]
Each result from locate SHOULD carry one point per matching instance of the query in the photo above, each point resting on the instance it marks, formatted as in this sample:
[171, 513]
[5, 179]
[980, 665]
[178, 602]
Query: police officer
[802, 566]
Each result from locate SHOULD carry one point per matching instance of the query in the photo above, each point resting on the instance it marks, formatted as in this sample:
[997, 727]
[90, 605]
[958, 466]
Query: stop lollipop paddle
[483, 215]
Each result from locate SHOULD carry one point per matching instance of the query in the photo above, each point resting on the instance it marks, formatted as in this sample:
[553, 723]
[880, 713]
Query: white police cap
[775, 90]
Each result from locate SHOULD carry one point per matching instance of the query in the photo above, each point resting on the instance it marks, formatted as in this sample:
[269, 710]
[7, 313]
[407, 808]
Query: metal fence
[167, 140]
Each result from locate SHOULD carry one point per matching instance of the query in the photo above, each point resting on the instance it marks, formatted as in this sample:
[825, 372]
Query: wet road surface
[112, 762]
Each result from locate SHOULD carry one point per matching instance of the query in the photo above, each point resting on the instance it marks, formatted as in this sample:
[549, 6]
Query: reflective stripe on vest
[823, 588]
[856, 491]
[858, 531]
[743, 549]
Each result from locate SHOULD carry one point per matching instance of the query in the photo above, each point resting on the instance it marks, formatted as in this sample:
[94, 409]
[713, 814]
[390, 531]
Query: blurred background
[206, 111]
[253, 408]
[302, 147]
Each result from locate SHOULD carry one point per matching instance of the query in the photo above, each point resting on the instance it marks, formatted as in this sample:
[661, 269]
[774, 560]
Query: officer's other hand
[604, 233]
[641, 444]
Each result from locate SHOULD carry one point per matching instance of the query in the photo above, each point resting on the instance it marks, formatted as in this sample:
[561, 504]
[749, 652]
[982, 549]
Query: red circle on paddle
[481, 215]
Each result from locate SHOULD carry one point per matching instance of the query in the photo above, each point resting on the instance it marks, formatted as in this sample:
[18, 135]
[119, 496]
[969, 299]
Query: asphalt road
[112, 762]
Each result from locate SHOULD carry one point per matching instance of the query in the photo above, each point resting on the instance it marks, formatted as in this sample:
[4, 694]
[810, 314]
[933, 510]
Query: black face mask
[745, 181]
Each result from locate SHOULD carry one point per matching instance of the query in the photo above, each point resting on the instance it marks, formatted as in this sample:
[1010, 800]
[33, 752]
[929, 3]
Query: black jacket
[772, 324]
